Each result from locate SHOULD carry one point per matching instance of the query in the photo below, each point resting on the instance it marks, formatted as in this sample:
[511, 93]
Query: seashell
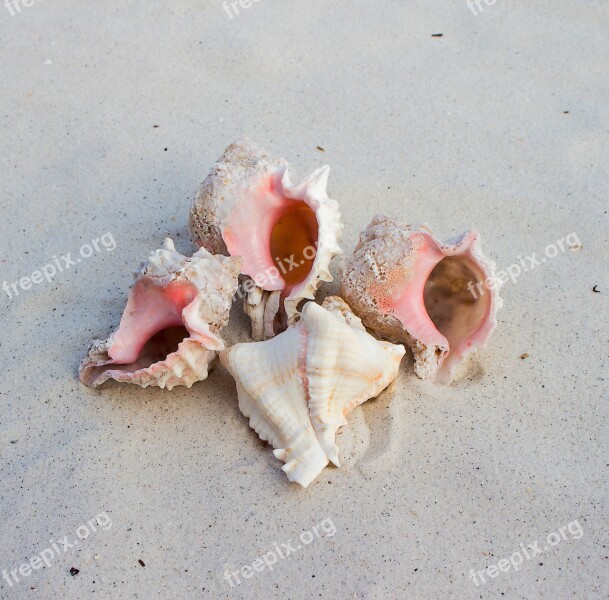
[286, 234]
[408, 287]
[168, 334]
[297, 388]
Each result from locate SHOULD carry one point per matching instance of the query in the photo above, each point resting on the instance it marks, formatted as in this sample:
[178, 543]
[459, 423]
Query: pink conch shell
[297, 388]
[168, 334]
[286, 234]
[408, 287]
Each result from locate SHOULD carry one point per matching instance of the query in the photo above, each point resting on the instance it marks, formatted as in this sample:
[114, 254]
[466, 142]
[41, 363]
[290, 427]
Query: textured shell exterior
[241, 164]
[234, 213]
[170, 290]
[297, 388]
[384, 282]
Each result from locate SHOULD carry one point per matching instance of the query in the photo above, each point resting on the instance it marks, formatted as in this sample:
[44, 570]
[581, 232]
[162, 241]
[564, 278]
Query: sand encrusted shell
[170, 290]
[297, 388]
[385, 280]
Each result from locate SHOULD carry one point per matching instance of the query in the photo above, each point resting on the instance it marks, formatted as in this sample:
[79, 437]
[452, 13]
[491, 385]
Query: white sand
[467, 130]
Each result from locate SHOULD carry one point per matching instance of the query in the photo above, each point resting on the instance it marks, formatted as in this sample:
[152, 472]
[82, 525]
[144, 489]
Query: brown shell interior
[293, 243]
[453, 301]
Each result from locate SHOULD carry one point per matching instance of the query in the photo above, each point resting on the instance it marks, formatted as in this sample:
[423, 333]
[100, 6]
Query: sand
[111, 113]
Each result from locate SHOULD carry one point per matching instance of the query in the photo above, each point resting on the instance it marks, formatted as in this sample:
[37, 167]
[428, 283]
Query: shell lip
[276, 189]
[199, 334]
[415, 318]
[135, 374]
[470, 244]
[330, 231]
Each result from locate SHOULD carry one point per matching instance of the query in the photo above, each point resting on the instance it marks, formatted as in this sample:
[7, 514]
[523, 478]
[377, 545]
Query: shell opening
[453, 301]
[275, 235]
[156, 349]
[160, 346]
[293, 243]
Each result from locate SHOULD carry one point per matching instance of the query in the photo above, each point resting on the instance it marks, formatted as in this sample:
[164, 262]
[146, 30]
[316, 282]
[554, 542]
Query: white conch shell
[297, 388]
[286, 234]
[408, 287]
[174, 299]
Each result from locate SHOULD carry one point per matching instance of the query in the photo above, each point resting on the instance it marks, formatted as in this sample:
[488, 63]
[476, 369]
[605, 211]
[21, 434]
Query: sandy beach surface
[493, 116]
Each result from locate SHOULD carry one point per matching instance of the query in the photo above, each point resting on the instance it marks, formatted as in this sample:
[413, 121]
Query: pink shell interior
[156, 320]
[150, 309]
[272, 232]
[437, 306]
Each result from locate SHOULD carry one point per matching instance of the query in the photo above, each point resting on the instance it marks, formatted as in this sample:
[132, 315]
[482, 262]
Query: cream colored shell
[297, 388]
